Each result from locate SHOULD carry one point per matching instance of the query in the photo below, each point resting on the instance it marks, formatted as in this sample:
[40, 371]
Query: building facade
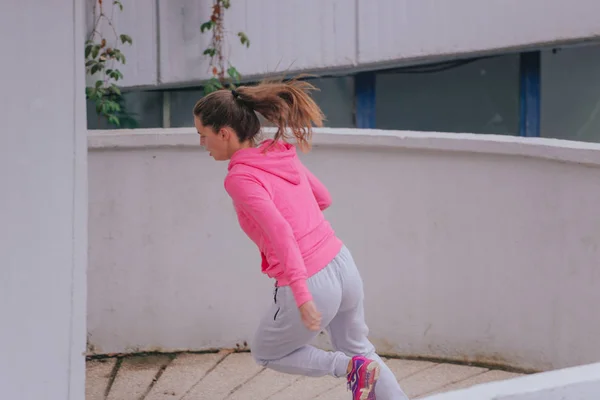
[495, 67]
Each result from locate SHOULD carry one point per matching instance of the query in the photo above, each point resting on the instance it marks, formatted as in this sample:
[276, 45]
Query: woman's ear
[224, 133]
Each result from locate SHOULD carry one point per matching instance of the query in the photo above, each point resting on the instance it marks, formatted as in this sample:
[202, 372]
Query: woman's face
[216, 143]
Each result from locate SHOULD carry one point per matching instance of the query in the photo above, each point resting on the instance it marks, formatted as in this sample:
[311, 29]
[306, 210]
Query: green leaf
[234, 73]
[111, 106]
[95, 94]
[95, 50]
[226, 4]
[91, 94]
[126, 39]
[120, 57]
[89, 63]
[118, 3]
[115, 74]
[98, 84]
[88, 50]
[210, 51]
[212, 85]
[244, 39]
[96, 68]
[104, 108]
[115, 106]
[113, 119]
[114, 89]
[206, 26]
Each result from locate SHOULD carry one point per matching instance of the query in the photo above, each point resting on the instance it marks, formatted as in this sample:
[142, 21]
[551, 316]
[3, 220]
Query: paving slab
[486, 377]
[97, 376]
[264, 385]
[436, 377]
[182, 374]
[338, 392]
[406, 368]
[306, 388]
[227, 377]
[135, 376]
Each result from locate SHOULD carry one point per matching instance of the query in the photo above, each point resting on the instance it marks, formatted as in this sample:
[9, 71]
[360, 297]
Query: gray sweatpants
[282, 341]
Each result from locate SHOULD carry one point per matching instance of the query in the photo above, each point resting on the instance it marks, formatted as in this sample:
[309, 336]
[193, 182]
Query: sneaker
[362, 378]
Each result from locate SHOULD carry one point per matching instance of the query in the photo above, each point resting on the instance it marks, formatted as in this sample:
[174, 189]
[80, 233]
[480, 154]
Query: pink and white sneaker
[362, 378]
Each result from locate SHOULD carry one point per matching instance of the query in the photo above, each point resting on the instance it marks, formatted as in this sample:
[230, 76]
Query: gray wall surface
[43, 202]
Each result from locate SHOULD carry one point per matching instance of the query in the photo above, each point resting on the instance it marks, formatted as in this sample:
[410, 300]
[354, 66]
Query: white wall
[280, 34]
[346, 35]
[43, 202]
[138, 20]
[394, 30]
[473, 248]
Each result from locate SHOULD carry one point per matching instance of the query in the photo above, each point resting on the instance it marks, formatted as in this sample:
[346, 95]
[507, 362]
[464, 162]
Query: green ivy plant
[224, 75]
[101, 57]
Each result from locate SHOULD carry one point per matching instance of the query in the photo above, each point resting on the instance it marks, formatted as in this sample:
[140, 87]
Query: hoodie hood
[280, 160]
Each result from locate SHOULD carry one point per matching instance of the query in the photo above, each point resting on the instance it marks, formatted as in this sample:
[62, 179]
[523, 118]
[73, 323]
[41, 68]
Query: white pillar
[43, 200]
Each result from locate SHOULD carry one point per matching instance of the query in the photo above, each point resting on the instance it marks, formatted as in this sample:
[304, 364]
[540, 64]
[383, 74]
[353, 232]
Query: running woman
[280, 204]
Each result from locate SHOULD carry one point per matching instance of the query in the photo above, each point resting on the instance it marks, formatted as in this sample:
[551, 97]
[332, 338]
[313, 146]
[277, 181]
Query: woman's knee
[260, 351]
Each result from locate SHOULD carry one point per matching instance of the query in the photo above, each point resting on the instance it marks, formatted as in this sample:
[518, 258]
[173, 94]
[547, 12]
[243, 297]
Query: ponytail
[287, 105]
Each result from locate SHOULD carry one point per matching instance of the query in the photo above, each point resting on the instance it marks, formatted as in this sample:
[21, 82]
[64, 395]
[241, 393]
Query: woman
[279, 204]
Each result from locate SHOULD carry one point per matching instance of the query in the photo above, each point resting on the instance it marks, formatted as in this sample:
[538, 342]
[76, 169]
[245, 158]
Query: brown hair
[287, 105]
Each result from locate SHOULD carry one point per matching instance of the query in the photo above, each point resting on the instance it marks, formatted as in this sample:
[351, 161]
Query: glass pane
[479, 97]
[571, 93]
[145, 108]
[182, 105]
[336, 99]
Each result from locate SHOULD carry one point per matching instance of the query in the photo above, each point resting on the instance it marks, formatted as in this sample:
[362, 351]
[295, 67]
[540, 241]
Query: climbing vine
[103, 56]
[224, 75]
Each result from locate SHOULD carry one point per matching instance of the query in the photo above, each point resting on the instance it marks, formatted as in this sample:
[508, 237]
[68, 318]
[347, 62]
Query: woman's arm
[319, 190]
[248, 193]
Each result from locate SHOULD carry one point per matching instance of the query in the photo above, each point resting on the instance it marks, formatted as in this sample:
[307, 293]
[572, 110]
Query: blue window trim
[364, 99]
[530, 94]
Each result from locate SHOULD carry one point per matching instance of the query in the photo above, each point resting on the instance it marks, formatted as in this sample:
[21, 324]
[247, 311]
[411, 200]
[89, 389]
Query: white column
[43, 200]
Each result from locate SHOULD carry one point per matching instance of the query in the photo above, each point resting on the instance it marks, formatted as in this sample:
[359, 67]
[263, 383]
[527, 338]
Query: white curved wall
[473, 248]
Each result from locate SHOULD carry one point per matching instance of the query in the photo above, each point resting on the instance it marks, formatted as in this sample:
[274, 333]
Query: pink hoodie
[279, 205]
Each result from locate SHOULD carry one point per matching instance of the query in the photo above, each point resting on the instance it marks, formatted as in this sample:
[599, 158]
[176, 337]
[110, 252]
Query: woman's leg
[282, 341]
[349, 332]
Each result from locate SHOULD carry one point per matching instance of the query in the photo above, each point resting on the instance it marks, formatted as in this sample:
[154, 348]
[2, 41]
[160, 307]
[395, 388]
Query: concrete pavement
[235, 376]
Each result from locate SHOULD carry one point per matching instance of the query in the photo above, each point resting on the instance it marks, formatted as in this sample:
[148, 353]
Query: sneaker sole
[373, 370]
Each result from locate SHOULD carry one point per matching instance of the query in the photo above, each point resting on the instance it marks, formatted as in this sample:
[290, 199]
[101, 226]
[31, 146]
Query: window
[570, 87]
[477, 97]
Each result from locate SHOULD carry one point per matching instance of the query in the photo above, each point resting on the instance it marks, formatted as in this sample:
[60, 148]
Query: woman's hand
[310, 316]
